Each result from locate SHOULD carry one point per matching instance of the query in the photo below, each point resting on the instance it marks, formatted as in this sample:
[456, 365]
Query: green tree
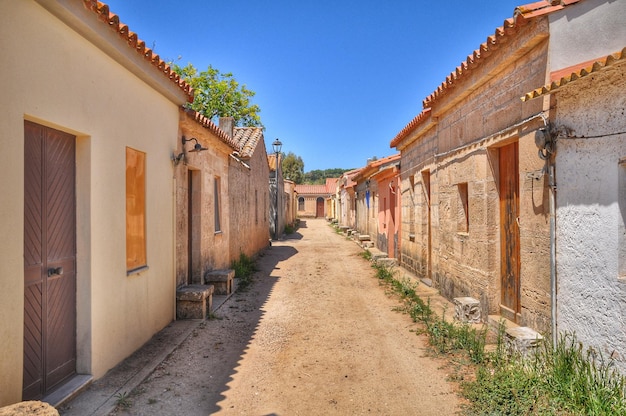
[318, 177]
[293, 168]
[218, 94]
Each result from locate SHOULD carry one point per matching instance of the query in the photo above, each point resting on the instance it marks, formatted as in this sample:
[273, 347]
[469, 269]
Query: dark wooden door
[319, 207]
[49, 259]
[509, 231]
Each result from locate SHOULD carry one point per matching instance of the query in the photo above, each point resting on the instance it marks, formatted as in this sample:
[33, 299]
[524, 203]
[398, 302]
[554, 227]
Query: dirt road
[314, 335]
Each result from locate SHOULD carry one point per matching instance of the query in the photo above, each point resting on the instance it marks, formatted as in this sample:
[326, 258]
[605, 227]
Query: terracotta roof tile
[113, 21]
[410, 127]
[377, 166]
[311, 189]
[565, 76]
[247, 139]
[331, 185]
[510, 26]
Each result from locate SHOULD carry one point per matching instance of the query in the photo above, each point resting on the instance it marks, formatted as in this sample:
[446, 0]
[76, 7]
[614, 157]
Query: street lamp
[276, 146]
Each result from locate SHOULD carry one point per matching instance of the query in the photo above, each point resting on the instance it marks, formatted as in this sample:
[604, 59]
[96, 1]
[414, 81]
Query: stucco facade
[590, 165]
[312, 201]
[378, 204]
[64, 68]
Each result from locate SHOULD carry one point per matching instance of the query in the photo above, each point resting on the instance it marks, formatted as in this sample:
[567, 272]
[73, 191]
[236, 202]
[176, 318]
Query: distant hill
[318, 177]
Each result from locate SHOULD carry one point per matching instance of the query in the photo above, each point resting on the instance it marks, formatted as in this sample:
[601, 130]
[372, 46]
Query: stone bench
[194, 301]
[221, 279]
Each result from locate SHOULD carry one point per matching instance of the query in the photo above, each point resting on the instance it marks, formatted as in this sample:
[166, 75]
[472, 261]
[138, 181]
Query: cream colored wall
[55, 77]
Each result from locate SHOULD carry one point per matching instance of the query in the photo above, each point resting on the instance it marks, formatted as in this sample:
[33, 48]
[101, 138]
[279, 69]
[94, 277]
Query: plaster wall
[588, 30]
[591, 212]
[53, 76]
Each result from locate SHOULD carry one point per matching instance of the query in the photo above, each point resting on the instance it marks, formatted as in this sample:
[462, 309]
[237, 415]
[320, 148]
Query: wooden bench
[194, 301]
[221, 279]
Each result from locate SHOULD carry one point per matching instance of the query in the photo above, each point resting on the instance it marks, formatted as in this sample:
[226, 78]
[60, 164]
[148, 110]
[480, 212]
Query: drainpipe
[552, 184]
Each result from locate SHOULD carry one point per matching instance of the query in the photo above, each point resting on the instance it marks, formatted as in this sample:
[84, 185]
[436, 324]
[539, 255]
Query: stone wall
[249, 204]
[455, 161]
[210, 247]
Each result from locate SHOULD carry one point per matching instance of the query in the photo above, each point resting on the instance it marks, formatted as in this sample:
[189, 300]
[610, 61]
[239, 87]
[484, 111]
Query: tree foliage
[218, 94]
[293, 168]
[318, 177]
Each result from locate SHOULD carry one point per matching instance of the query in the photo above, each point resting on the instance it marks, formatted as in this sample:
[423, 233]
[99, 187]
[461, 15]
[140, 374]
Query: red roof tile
[247, 139]
[521, 16]
[567, 75]
[410, 127]
[113, 21]
[331, 185]
[311, 189]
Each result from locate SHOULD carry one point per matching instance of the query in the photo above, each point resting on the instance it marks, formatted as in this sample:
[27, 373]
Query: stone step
[221, 279]
[387, 262]
[364, 237]
[518, 339]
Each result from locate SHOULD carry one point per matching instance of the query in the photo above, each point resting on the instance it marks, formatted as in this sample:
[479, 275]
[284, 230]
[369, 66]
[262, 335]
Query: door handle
[52, 271]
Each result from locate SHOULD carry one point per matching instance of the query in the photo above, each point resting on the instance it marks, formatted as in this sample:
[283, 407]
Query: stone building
[474, 201]
[248, 191]
[203, 207]
[312, 200]
[478, 195]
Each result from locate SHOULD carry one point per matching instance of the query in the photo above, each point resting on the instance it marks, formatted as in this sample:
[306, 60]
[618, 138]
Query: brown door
[319, 207]
[391, 226]
[509, 232]
[426, 180]
[49, 259]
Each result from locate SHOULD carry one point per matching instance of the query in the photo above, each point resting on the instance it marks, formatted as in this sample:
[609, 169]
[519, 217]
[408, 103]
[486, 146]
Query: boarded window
[301, 203]
[136, 257]
[216, 191]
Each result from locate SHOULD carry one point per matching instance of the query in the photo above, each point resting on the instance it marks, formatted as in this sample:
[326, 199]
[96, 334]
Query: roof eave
[102, 29]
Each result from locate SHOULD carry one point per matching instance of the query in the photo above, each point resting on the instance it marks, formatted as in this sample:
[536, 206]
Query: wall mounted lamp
[183, 155]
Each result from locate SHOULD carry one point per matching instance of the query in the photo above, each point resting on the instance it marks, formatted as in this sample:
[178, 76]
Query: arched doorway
[319, 207]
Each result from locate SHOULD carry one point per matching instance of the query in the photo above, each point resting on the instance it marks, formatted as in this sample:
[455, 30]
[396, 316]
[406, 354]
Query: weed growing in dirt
[366, 254]
[557, 380]
[244, 268]
[122, 400]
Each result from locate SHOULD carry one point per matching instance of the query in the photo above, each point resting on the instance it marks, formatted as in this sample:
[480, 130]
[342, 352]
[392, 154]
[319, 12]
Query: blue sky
[336, 80]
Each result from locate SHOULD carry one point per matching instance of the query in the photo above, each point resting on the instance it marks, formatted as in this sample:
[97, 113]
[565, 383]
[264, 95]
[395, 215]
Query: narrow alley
[313, 335]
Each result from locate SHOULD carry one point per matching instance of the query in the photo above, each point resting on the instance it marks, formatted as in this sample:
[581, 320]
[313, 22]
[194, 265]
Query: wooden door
[429, 249]
[319, 207]
[391, 225]
[509, 232]
[49, 259]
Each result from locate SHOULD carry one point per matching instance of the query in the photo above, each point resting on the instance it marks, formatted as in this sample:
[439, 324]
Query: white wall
[591, 208]
[586, 31]
[53, 76]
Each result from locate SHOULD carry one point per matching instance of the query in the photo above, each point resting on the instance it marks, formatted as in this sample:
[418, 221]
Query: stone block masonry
[222, 280]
